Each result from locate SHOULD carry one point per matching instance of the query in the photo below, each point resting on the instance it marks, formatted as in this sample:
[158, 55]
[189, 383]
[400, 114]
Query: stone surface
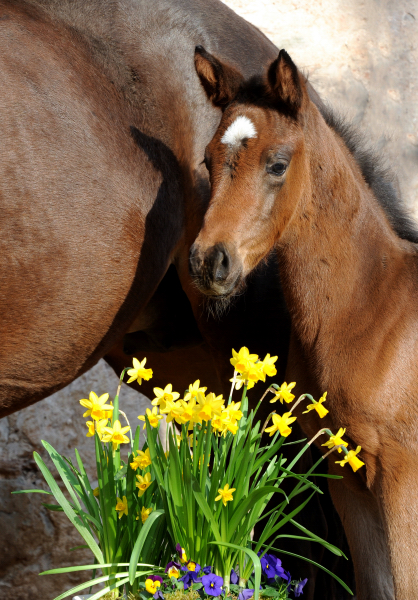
[362, 57]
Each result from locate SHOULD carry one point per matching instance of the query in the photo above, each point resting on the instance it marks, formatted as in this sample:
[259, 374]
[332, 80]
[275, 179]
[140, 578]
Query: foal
[282, 176]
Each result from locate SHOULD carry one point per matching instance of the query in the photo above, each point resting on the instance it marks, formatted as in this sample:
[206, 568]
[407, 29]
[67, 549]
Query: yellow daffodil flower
[336, 440]
[116, 434]
[268, 365]
[143, 483]
[240, 381]
[153, 417]
[321, 410]
[173, 410]
[122, 506]
[97, 407]
[163, 396]
[193, 389]
[284, 393]
[351, 458]
[281, 424]
[145, 513]
[139, 372]
[233, 411]
[187, 415]
[241, 361]
[207, 407]
[142, 460]
[152, 586]
[96, 426]
[225, 494]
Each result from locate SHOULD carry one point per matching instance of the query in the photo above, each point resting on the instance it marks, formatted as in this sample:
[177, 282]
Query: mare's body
[294, 178]
[104, 125]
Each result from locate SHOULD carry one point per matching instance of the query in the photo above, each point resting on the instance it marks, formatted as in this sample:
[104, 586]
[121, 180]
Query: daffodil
[225, 494]
[97, 407]
[284, 393]
[187, 416]
[193, 389]
[143, 483]
[321, 410]
[268, 365]
[207, 407]
[153, 417]
[336, 440]
[233, 411]
[139, 372]
[164, 395]
[281, 424]
[145, 513]
[173, 410]
[351, 458]
[241, 360]
[240, 381]
[142, 460]
[122, 506]
[116, 434]
[96, 426]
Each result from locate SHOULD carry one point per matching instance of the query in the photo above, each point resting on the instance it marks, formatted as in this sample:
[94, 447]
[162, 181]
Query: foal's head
[258, 168]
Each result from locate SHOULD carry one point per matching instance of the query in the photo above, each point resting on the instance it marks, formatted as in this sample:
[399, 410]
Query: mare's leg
[364, 527]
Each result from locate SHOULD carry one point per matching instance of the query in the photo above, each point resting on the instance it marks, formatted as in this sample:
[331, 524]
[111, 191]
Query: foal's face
[256, 163]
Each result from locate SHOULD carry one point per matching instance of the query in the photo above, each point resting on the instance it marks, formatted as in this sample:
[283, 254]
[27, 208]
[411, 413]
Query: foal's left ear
[220, 80]
[285, 82]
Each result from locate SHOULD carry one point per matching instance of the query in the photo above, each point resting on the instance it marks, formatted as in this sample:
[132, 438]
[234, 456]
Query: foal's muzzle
[213, 269]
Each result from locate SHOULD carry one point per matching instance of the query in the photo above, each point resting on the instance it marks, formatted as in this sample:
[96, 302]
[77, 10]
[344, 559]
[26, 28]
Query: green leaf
[53, 507]
[145, 531]
[61, 499]
[32, 492]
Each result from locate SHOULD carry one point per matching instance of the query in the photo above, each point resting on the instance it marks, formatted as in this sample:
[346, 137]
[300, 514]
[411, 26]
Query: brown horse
[104, 124]
[286, 175]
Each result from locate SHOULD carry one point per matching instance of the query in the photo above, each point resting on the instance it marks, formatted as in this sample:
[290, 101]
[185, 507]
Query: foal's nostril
[221, 263]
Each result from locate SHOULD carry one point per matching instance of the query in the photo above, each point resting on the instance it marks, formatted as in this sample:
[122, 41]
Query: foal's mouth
[219, 290]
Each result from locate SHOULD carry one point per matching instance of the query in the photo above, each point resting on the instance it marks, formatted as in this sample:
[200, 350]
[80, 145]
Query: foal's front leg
[399, 497]
[364, 527]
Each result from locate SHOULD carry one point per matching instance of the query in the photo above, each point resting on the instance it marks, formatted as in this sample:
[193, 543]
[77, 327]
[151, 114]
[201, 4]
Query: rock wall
[362, 56]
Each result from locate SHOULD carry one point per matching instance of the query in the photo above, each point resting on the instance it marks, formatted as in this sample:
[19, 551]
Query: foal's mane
[376, 174]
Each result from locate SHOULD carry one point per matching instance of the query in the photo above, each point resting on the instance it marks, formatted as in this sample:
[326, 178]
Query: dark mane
[379, 177]
[372, 165]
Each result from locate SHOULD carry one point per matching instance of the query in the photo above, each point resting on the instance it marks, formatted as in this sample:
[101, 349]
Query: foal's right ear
[221, 81]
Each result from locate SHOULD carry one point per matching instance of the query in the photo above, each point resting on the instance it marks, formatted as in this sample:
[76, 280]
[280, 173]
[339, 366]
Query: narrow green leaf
[145, 531]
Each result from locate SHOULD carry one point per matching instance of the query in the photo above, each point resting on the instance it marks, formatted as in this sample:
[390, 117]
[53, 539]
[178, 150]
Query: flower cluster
[250, 368]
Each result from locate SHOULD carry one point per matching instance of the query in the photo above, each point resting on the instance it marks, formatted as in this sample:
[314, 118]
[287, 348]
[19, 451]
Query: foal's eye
[278, 168]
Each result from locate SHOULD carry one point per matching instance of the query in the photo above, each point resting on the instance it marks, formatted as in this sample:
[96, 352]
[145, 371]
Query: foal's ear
[221, 81]
[285, 82]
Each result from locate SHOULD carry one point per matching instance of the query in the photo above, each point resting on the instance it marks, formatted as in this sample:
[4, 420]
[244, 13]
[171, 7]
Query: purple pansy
[155, 578]
[172, 564]
[299, 587]
[207, 570]
[245, 594]
[271, 566]
[189, 579]
[158, 595]
[189, 564]
[234, 577]
[212, 584]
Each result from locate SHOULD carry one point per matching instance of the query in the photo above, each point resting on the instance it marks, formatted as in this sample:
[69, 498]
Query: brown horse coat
[284, 175]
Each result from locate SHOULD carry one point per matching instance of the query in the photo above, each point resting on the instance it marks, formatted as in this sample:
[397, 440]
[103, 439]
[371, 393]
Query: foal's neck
[340, 258]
